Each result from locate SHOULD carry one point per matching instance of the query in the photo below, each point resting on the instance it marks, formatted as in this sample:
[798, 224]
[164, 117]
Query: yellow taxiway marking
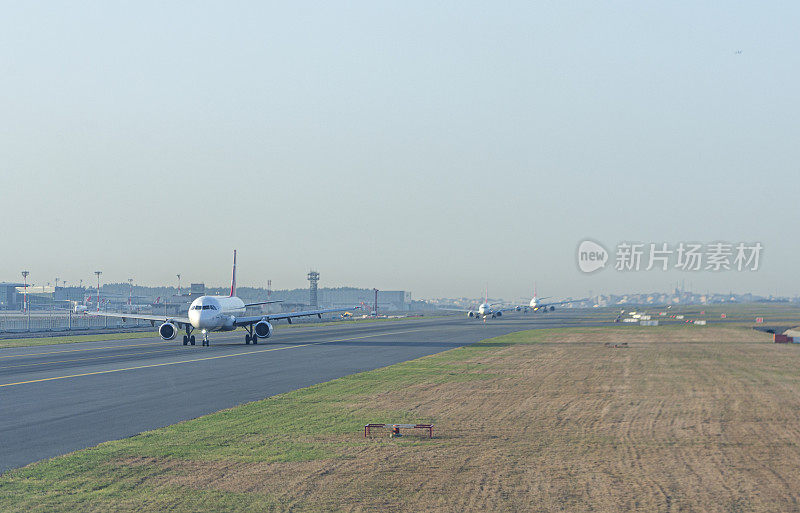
[206, 358]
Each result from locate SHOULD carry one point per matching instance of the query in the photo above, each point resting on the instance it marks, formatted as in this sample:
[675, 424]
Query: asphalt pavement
[59, 398]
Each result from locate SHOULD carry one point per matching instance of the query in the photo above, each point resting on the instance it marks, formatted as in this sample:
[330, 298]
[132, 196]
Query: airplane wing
[264, 302]
[506, 308]
[563, 302]
[244, 321]
[180, 321]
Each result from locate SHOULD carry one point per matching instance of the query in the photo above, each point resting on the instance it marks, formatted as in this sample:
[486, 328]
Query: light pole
[98, 273]
[130, 294]
[25, 290]
[179, 284]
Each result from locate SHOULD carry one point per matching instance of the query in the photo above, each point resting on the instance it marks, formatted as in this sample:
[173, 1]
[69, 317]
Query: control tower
[313, 279]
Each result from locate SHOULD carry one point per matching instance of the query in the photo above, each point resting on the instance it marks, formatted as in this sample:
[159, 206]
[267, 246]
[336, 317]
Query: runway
[59, 398]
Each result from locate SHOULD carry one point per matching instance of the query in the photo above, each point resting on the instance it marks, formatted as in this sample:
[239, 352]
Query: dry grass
[687, 419]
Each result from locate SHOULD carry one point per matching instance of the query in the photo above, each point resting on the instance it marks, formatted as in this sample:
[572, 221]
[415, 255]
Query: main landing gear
[188, 338]
[250, 336]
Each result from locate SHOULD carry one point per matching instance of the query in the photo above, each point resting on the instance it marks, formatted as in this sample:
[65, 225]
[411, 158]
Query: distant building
[9, 299]
[388, 300]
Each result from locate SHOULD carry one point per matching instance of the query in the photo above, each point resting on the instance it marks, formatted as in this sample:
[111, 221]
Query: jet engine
[263, 329]
[499, 314]
[471, 314]
[167, 331]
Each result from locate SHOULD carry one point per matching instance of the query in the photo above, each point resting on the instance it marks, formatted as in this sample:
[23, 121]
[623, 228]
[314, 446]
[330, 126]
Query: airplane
[536, 303]
[219, 313]
[486, 310]
[78, 307]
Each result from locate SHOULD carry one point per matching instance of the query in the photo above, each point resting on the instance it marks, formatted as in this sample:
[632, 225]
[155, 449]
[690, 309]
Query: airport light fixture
[98, 273]
[25, 290]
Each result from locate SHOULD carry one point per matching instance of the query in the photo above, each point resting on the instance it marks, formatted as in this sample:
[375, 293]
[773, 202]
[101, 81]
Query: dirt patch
[701, 419]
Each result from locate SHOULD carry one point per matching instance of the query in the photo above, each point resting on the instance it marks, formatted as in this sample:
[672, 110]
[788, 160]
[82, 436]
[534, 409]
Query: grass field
[683, 419]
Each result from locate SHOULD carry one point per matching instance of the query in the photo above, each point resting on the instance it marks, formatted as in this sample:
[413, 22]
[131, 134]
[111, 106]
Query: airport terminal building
[39, 296]
[388, 300]
[9, 299]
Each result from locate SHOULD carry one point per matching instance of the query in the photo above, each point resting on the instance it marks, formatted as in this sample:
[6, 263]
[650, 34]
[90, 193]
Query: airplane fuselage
[215, 313]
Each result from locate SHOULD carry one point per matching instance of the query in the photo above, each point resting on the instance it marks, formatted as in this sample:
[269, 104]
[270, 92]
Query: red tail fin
[233, 279]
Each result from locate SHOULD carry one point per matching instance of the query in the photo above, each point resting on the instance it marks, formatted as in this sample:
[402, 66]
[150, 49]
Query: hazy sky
[432, 147]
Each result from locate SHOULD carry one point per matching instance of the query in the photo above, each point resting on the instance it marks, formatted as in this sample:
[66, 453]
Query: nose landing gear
[206, 342]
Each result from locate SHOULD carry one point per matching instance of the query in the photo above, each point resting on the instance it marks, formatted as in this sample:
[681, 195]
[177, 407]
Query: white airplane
[219, 313]
[78, 307]
[537, 304]
[486, 310]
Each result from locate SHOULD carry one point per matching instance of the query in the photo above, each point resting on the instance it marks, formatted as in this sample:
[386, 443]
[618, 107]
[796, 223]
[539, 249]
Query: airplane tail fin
[233, 279]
